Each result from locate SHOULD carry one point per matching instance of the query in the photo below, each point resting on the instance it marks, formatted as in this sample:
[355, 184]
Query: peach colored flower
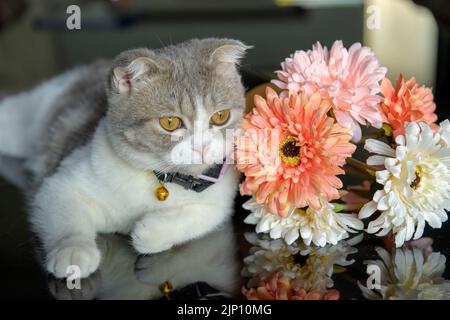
[407, 102]
[278, 287]
[291, 152]
[349, 78]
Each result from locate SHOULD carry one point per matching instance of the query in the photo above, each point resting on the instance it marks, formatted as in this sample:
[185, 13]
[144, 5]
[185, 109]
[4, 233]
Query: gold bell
[166, 288]
[162, 193]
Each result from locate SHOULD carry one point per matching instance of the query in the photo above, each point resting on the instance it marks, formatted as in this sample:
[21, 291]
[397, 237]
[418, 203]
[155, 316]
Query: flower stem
[360, 169]
[384, 131]
[371, 135]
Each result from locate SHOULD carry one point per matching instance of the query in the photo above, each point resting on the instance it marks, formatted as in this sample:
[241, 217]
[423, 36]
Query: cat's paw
[84, 256]
[147, 241]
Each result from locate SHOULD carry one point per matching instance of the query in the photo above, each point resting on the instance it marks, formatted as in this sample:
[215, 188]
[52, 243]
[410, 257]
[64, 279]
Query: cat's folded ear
[225, 51]
[133, 65]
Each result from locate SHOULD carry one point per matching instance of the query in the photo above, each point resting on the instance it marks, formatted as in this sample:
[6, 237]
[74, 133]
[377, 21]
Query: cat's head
[173, 109]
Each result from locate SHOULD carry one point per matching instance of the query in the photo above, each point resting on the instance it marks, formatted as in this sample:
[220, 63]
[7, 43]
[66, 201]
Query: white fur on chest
[120, 194]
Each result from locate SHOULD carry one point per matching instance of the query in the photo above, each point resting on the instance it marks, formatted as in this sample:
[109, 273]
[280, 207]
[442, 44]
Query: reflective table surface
[229, 262]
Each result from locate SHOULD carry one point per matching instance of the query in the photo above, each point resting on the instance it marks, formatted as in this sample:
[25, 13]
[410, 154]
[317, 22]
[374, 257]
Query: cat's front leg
[160, 231]
[65, 222]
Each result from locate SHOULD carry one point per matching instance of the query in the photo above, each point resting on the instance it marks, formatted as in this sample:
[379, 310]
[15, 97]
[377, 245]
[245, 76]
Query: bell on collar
[162, 193]
[166, 288]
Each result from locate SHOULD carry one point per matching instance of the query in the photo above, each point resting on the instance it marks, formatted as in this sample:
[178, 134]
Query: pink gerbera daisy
[349, 78]
[291, 152]
[407, 102]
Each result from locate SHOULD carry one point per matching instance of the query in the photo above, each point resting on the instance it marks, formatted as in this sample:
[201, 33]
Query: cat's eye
[170, 123]
[220, 117]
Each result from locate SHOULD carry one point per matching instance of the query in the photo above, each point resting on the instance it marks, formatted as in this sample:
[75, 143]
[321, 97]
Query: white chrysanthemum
[320, 227]
[409, 274]
[416, 182]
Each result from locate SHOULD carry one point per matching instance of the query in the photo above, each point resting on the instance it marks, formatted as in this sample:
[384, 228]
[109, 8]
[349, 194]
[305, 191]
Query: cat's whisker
[159, 39]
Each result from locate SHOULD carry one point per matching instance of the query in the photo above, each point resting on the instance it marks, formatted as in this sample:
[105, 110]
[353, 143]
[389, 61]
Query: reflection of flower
[409, 274]
[407, 102]
[268, 256]
[291, 152]
[278, 287]
[319, 227]
[349, 78]
[322, 262]
[310, 278]
[415, 181]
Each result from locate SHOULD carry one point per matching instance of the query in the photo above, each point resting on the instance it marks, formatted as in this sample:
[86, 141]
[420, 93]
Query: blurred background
[408, 36]
[412, 37]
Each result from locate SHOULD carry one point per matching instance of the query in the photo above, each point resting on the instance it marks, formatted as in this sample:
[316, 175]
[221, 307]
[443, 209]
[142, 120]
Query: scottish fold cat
[94, 139]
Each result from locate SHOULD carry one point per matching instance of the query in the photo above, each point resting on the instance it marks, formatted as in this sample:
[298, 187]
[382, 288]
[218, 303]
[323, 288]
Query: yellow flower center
[306, 213]
[289, 151]
[416, 182]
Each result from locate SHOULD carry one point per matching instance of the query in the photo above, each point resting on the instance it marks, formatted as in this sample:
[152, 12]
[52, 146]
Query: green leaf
[338, 207]
[387, 130]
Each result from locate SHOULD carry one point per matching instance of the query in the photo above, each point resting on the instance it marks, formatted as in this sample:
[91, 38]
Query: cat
[92, 139]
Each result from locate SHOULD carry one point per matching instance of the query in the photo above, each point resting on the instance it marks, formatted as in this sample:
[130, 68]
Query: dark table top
[219, 264]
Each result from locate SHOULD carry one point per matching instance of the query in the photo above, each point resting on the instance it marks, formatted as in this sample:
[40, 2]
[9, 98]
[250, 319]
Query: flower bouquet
[297, 141]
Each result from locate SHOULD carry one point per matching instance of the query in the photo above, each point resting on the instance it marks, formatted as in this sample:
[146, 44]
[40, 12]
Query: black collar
[190, 182]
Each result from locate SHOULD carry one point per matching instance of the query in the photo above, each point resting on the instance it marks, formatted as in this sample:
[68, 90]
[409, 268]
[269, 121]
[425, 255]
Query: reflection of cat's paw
[154, 269]
[147, 241]
[86, 257]
[86, 291]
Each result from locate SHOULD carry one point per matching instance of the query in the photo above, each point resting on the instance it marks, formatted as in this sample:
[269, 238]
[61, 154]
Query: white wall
[406, 40]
